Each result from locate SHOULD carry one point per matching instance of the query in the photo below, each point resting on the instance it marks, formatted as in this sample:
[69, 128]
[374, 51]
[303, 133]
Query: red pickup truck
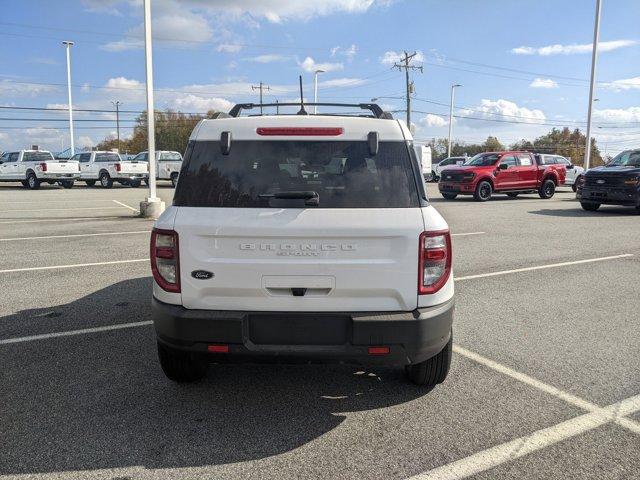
[501, 172]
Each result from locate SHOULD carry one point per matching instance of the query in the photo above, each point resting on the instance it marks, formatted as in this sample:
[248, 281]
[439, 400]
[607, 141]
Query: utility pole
[260, 87]
[68, 44]
[410, 89]
[594, 58]
[453, 89]
[117, 104]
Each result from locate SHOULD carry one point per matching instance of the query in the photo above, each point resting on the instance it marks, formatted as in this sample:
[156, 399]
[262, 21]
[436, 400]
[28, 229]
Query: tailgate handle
[298, 292]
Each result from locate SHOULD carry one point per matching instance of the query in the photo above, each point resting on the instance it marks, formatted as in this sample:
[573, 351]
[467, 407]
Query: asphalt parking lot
[545, 380]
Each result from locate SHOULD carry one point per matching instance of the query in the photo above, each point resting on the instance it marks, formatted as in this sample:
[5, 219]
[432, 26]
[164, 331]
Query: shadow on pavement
[100, 400]
[603, 211]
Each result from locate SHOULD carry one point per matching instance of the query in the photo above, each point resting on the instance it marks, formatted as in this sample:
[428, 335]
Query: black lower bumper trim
[412, 337]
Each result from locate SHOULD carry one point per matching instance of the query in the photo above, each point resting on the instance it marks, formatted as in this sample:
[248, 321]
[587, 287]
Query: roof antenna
[302, 111]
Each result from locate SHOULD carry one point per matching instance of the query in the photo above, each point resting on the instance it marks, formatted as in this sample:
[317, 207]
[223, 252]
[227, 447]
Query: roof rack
[375, 109]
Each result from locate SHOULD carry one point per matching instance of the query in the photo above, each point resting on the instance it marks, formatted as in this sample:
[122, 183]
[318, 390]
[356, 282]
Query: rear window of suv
[343, 174]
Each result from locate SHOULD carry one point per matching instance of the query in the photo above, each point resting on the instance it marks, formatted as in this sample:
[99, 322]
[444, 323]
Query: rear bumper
[412, 337]
[609, 196]
[131, 176]
[58, 176]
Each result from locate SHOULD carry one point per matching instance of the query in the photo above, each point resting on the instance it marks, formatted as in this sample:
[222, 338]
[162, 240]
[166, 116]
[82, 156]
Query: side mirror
[503, 166]
[570, 167]
[225, 143]
[372, 140]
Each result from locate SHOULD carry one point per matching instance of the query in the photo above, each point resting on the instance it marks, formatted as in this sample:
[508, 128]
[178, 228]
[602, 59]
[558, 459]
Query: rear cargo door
[304, 226]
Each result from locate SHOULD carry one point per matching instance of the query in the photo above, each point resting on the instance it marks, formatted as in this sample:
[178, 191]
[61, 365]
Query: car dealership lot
[544, 382]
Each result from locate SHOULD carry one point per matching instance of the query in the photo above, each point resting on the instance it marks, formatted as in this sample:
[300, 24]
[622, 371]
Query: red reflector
[164, 252]
[300, 131]
[218, 348]
[378, 350]
[436, 254]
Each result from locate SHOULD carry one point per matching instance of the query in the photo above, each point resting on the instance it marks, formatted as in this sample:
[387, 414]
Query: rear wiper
[311, 199]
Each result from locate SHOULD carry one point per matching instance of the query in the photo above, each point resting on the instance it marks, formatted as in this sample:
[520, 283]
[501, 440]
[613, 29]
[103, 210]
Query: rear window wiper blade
[311, 198]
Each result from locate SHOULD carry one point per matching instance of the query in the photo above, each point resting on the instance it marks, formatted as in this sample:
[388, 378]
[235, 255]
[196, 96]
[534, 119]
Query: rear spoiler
[374, 108]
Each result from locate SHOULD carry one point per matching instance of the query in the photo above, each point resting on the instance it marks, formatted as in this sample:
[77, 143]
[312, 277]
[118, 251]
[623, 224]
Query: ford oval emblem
[600, 181]
[202, 275]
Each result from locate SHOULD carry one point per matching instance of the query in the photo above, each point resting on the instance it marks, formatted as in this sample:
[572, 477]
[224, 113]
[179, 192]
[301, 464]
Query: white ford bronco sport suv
[305, 236]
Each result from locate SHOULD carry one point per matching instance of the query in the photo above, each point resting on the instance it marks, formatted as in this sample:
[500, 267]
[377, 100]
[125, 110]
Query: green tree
[565, 142]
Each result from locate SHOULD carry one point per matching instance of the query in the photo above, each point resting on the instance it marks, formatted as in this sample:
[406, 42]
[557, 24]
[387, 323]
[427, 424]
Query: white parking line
[47, 209]
[70, 333]
[126, 206]
[541, 267]
[466, 234]
[506, 452]
[74, 235]
[61, 219]
[56, 267]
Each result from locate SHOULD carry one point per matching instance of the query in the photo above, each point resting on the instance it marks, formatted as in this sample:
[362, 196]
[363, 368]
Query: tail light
[118, 167]
[165, 263]
[43, 167]
[434, 262]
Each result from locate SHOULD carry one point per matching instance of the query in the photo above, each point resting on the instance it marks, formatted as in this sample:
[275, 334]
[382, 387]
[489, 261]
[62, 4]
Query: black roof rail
[375, 109]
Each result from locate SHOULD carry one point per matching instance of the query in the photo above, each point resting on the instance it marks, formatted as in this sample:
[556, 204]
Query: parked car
[510, 172]
[302, 236]
[423, 155]
[32, 167]
[447, 162]
[167, 164]
[574, 172]
[108, 167]
[616, 183]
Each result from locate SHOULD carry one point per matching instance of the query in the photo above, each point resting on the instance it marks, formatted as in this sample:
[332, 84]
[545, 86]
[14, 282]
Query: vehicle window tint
[141, 157]
[343, 174]
[13, 157]
[107, 157]
[85, 157]
[170, 156]
[37, 156]
[509, 160]
[562, 161]
[524, 159]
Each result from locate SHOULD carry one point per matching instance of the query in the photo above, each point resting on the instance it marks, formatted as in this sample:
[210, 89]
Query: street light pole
[453, 89]
[68, 44]
[315, 90]
[152, 207]
[117, 104]
[594, 58]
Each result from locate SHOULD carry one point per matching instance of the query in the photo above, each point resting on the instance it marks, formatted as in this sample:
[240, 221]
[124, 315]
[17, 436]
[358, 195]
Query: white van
[305, 236]
[168, 164]
[423, 154]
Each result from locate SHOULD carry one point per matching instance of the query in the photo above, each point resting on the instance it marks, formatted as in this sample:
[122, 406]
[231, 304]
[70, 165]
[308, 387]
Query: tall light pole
[117, 104]
[594, 58]
[453, 89]
[68, 44]
[152, 207]
[315, 89]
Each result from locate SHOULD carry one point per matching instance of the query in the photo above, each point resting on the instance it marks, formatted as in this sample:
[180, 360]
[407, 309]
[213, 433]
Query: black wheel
[432, 371]
[434, 177]
[32, 182]
[547, 189]
[146, 182]
[590, 207]
[24, 183]
[134, 183]
[174, 179]
[449, 196]
[90, 183]
[512, 195]
[574, 187]
[483, 192]
[180, 366]
[105, 180]
[67, 184]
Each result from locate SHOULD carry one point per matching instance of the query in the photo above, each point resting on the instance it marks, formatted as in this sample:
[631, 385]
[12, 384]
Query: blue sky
[524, 65]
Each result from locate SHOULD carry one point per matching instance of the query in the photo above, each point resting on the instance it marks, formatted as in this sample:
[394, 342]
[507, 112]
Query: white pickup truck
[168, 164]
[32, 167]
[108, 167]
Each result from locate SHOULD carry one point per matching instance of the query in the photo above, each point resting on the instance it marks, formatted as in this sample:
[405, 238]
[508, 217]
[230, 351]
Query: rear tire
[24, 183]
[105, 180]
[180, 366]
[67, 184]
[512, 195]
[432, 371]
[90, 183]
[449, 196]
[174, 179]
[547, 189]
[590, 207]
[483, 192]
[32, 182]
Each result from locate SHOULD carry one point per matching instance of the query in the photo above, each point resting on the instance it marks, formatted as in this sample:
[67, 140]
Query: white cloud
[618, 115]
[558, 49]
[624, 84]
[44, 61]
[341, 82]
[431, 120]
[390, 57]
[198, 104]
[543, 83]
[9, 88]
[85, 141]
[348, 52]
[504, 110]
[310, 65]
[269, 58]
[229, 48]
